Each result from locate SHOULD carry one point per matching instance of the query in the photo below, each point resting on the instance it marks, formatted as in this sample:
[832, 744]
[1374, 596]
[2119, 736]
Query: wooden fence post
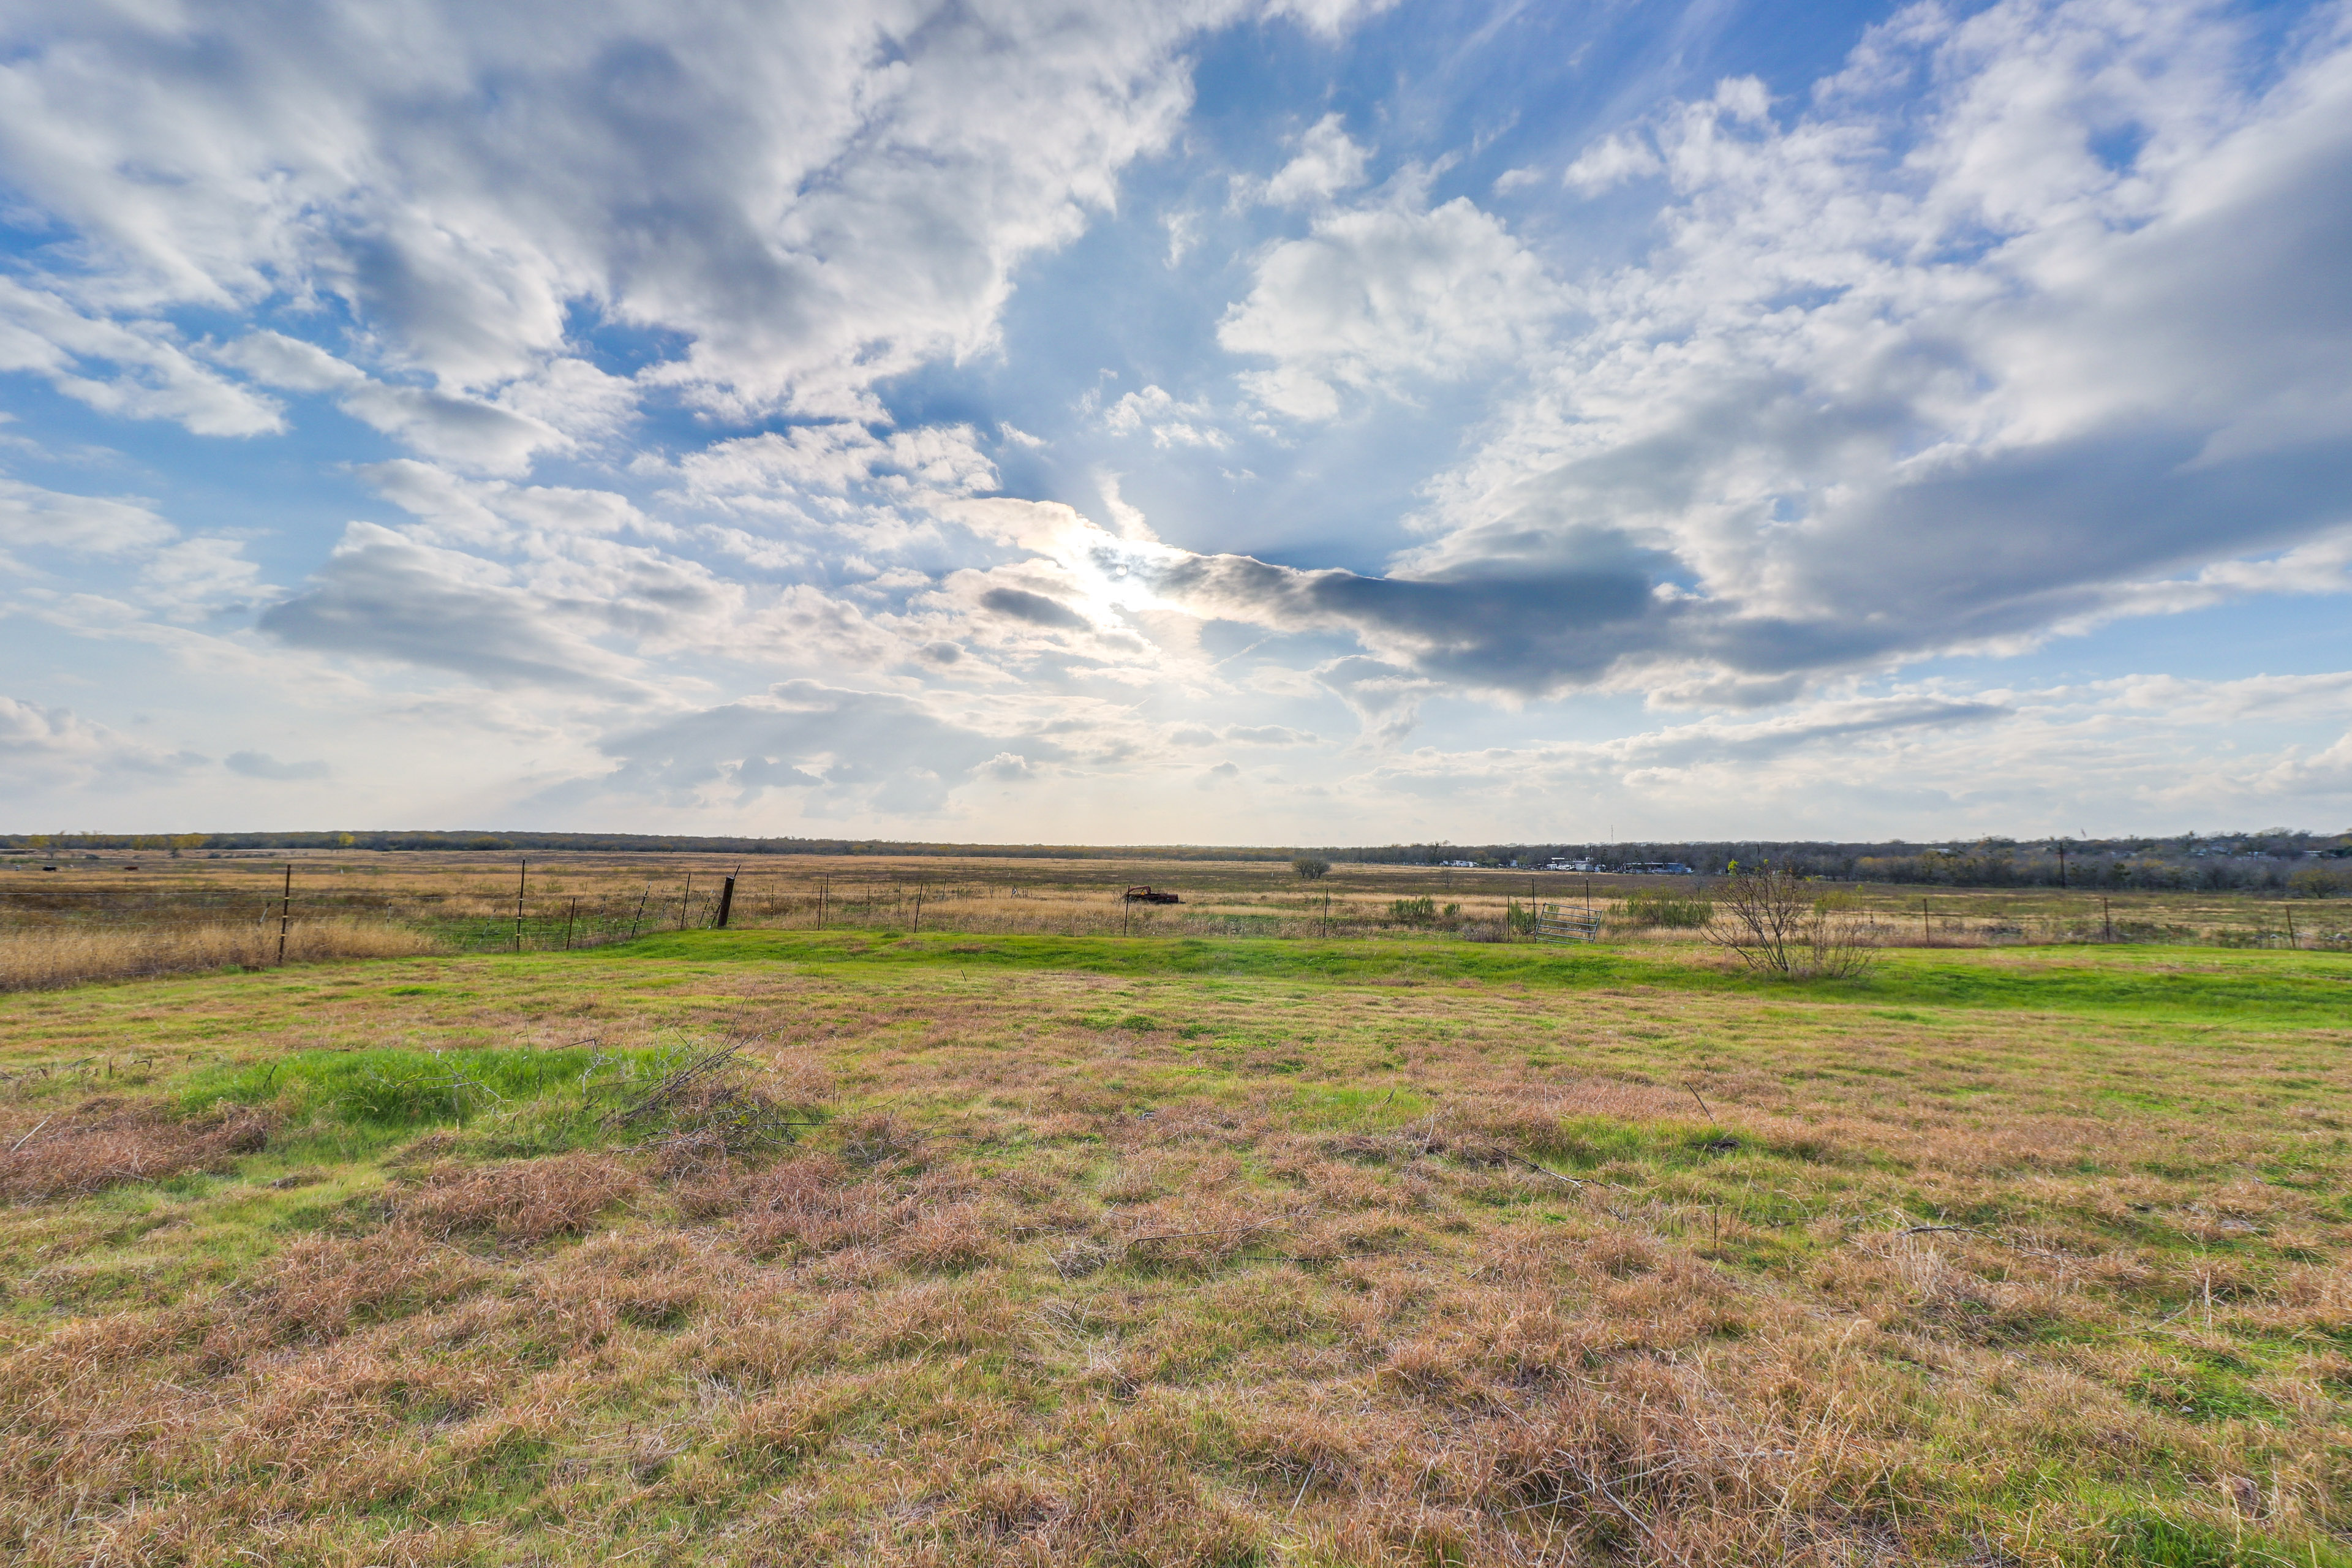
[286, 913]
[523, 879]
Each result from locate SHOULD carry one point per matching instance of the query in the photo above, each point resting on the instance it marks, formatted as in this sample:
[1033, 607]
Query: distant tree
[1309, 869]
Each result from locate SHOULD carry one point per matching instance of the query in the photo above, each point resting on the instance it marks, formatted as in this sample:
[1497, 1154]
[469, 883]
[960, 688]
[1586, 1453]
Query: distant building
[1460, 865]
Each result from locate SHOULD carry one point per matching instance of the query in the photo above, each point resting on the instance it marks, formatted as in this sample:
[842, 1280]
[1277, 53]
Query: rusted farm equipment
[1142, 895]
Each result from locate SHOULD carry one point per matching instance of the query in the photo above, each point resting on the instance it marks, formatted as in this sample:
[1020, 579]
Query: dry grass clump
[104, 1143]
[41, 957]
[518, 1200]
[321, 1286]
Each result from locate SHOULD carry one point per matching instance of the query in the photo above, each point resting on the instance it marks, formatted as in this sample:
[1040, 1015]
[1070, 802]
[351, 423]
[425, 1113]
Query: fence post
[522, 880]
[917, 929]
[684, 899]
[570, 916]
[286, 913]
[726, 903]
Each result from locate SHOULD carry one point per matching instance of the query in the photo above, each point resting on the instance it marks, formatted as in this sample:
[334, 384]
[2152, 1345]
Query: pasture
[801, 1246]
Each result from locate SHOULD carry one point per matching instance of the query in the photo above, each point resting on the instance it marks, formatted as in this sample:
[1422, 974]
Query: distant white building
[1460, 865]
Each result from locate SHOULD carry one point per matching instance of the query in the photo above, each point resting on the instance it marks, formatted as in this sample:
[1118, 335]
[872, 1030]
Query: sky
[1237, 421]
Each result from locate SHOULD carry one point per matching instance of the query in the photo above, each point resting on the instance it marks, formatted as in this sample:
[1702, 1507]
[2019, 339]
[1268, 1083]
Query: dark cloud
[1035, 609]
[380, 597]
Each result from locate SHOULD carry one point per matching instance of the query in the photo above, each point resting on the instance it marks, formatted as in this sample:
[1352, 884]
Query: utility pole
[2062, 863]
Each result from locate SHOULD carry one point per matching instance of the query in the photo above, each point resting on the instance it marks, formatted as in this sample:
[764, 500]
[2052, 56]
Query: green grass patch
[395, 1089]
[2285, 986]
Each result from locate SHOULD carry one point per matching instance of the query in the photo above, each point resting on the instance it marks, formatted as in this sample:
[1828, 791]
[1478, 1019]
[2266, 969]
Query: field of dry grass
[123, 914]
[1003, 1248]
[34, 957]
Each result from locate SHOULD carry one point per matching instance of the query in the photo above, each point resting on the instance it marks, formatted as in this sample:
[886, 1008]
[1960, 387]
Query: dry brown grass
[43, 957]
[103, 1143]
[517, 1200]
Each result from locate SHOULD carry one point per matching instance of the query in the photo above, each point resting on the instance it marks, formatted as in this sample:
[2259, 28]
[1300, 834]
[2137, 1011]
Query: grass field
[1043, 1248]
[70, 920]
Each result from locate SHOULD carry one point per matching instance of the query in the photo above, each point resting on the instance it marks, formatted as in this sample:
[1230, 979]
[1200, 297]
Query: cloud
[1610, 161]
[262, 765]
[832, 459]
[1172, 424]
[793, 205]
[1328, 162]
[845, 751]
[132, 368]
[1036, 609]
[1930, 370]
[208, 575]
[384, 596]
[467, 431]
[33, 517]
[1267, 735]
[1378, 297]
[45, 748]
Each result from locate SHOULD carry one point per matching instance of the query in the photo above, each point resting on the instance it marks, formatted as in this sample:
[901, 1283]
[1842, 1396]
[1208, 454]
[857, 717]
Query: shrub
[1768, 916]
[1413, 911]
[1665, 910]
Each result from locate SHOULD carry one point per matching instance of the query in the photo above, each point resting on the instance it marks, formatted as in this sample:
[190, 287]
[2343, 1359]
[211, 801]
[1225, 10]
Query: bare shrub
[106, 1143]
[1769, 916]
[521, 1200]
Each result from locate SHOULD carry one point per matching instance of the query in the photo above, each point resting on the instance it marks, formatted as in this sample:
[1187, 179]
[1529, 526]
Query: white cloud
[50, 749]
[1328, 162]
[1930, 373]
[467, 431]
[812, 200]
[1378, 297]
[1172, 423]
[1610, 161]
[133, 367]
[33, 517]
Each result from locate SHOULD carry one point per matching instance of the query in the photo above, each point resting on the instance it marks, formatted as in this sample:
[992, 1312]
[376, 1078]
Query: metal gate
[1559, 922]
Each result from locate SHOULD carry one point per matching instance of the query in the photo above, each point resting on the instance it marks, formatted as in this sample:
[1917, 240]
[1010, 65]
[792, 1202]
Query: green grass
[2014, 1255]
[2150, 980]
